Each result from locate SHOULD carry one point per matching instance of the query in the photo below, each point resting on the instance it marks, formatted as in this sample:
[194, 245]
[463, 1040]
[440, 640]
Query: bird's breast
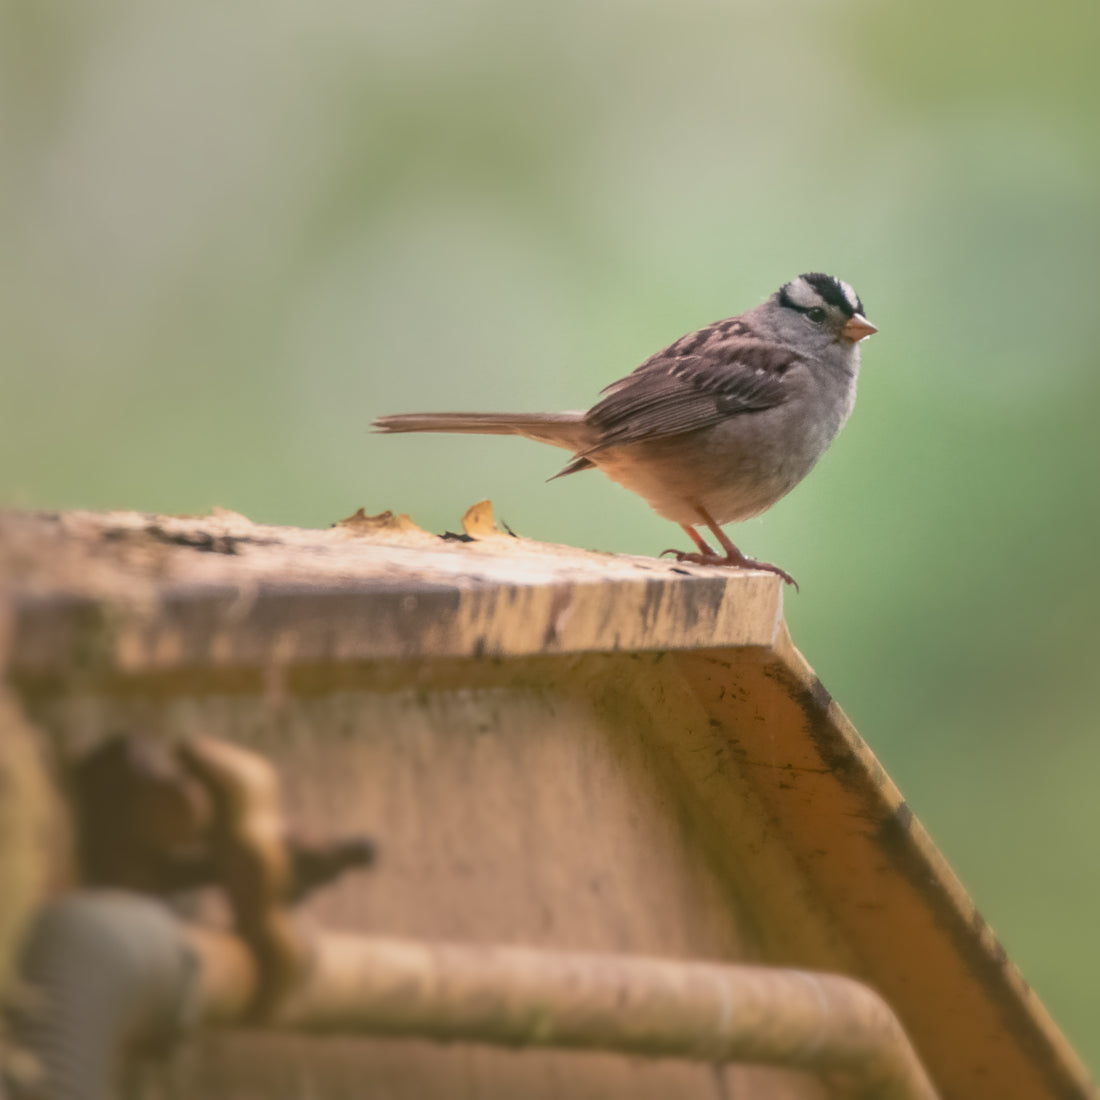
[737, 468]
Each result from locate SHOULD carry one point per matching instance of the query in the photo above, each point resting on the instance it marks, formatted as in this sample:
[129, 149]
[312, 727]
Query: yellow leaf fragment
[478, 521]
[359, 523]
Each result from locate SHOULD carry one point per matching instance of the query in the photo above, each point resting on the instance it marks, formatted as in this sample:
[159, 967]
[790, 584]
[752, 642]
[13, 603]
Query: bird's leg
[704, 550]
[734, 557]
[696, 538]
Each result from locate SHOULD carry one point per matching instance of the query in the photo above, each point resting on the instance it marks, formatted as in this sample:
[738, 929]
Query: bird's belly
[733, 471]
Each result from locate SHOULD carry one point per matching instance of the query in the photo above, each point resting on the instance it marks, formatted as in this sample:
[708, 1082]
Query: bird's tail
[567, 429]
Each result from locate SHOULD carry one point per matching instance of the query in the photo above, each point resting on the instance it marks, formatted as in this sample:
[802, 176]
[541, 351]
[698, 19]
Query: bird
[719, 425]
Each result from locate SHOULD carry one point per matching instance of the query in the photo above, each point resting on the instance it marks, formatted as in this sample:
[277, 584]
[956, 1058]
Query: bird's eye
[817, 315]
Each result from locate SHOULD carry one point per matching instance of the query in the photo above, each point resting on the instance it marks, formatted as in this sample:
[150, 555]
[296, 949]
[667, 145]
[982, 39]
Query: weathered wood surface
[137, 592]
[554, 748]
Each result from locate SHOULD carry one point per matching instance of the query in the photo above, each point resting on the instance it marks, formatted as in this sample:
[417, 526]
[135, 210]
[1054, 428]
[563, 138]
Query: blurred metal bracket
[123, 975]
[157, 818]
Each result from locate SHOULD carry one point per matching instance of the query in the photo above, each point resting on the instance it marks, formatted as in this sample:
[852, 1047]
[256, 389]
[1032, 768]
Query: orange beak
[856, 328]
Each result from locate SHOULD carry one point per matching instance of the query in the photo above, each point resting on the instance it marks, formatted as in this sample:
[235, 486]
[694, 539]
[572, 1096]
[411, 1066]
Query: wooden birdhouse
[369, 812]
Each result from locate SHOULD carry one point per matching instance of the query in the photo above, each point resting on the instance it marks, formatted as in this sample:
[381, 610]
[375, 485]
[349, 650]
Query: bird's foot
[731, 561]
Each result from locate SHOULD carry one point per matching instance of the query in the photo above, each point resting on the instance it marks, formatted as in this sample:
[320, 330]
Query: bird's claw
[731, 562]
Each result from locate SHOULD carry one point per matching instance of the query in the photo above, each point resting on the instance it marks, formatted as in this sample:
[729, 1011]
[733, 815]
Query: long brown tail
[566, 429]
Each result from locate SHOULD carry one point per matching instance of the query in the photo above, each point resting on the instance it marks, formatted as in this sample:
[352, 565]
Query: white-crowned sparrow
[719, 425]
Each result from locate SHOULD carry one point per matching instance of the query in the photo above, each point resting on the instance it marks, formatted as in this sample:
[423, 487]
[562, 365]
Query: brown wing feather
[700, 380]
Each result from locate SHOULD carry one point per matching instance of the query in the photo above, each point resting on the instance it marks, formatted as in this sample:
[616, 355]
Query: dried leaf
[478, 521]
[360, 523]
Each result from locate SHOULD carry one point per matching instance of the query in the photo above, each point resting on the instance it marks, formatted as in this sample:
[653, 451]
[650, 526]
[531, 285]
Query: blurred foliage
[230, 234]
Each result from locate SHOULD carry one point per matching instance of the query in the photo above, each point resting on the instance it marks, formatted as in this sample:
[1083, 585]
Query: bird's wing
[697, 382]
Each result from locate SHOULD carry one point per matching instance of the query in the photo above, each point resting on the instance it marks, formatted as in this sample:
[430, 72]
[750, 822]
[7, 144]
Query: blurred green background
[232, 233]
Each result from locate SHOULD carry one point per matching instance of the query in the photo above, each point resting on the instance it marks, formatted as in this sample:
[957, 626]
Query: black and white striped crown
[815, 290]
